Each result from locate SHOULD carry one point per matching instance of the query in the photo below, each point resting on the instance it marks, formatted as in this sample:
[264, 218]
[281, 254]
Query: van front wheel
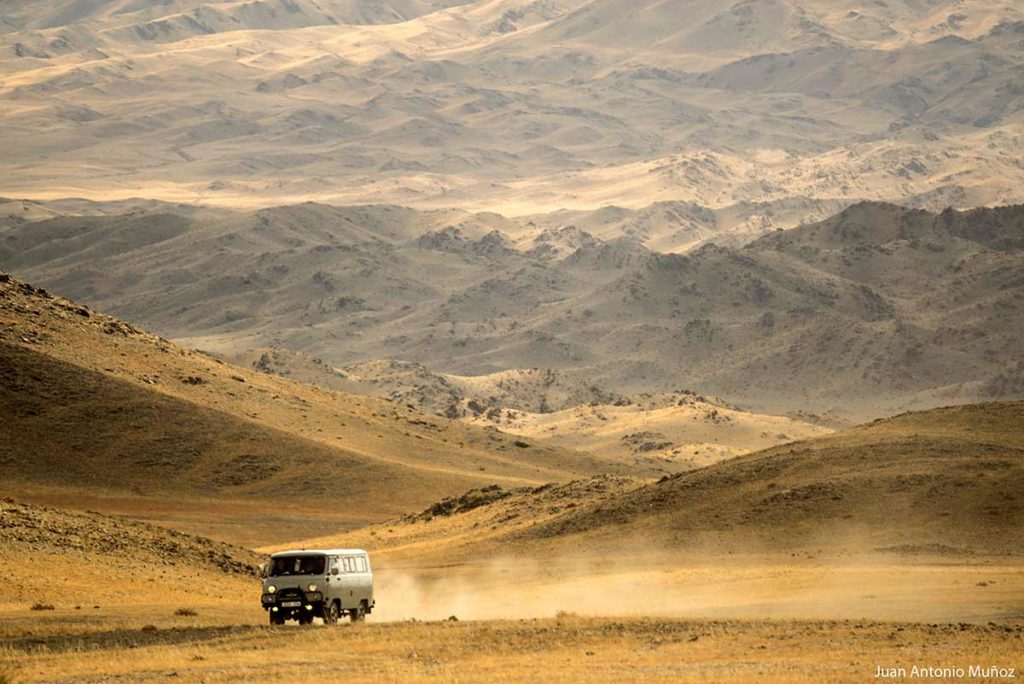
[331, 613]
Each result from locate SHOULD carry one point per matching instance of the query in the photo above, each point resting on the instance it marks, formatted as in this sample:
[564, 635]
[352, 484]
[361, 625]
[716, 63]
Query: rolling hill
[946, 478]
[104, 415]
[945, 482]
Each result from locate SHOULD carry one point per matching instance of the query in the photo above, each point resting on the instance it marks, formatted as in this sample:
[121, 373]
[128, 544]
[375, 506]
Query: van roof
[319, 552]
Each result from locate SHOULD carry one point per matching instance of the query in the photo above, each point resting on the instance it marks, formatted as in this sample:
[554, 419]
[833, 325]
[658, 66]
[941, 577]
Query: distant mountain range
[876, 309]
[518, 106]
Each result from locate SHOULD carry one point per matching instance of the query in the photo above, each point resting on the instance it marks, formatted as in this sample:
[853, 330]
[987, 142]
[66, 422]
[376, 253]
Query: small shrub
[185, 612]
[42, 606]
[564, 617]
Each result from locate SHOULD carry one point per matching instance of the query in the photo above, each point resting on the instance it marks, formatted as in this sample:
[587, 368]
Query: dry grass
[567, 648]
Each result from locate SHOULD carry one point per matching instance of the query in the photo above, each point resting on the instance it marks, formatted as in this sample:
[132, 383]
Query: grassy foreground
[565, 648]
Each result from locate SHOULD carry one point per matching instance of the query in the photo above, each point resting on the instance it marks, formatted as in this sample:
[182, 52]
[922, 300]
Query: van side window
[361, 560]
[348, 564]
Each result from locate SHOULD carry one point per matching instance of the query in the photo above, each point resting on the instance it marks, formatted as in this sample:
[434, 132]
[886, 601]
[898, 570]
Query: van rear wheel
[358, 614]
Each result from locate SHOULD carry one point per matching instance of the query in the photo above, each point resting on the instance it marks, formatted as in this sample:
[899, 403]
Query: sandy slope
[679, 430]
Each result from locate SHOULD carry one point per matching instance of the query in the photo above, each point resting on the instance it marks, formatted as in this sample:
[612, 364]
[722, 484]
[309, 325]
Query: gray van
[302, 585]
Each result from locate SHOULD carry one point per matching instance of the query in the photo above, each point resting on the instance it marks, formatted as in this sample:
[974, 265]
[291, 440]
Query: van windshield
[297, 565]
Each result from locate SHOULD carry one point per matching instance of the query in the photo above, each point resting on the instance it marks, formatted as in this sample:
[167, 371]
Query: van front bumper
[293, 602]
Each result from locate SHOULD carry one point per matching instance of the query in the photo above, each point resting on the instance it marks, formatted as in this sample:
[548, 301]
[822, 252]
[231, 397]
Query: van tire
[276, 619]
[358, 614]
[331, 613]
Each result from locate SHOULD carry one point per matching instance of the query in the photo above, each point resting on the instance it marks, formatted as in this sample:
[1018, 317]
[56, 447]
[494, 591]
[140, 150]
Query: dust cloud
[749, 587]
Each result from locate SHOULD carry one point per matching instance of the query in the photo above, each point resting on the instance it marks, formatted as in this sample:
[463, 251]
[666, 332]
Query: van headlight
[311, 587]
[271, 589]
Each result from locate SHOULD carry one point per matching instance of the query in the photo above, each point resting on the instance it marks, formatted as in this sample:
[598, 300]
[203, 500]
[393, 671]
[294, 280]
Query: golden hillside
[950, 477]
[105, 415]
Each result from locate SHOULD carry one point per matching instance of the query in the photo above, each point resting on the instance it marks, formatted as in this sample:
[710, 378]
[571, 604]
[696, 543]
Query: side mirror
[263, 569]
[334, 570]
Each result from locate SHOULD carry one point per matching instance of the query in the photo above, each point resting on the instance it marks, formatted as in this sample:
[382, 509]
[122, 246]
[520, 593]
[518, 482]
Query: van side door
[347, 584]
[332, 590]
